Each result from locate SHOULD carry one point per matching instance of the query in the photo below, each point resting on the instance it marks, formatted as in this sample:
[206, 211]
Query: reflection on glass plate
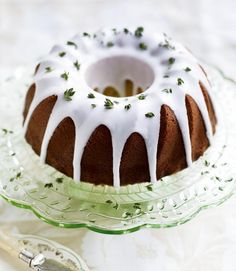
[56, 199]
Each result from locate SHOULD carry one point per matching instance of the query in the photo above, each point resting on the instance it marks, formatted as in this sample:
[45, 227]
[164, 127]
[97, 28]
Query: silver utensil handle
[33, 261]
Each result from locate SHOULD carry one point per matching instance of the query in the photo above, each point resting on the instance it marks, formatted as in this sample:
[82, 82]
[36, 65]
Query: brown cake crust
[134, 161]
[96, 163]
[170, 153]
[38, 122]
[61, 147]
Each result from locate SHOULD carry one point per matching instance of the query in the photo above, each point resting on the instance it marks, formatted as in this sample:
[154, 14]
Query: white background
[28, 29]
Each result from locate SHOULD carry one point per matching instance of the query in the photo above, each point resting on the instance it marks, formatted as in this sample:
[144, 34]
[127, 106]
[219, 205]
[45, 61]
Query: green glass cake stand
[60, 201]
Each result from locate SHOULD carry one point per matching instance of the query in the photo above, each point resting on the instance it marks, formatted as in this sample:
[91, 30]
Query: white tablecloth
[29, 28]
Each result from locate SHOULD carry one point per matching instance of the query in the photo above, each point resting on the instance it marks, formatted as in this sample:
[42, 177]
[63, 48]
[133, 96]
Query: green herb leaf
[218, 178]
[85, 34]
[65, 75]
[135, 206]
[180, 81]
[5, 131]
[109, 201]
[142, 46]
[127, 106]
[110, 44]
[116, 206]
[126, 31]
[61, 54]
[149, 115]
[139, 32]
[71, 43]
[68, 94]
[166, 44]
[142, 97]
[204, 172]
[93, 105]
[91, 96]
[108, 104]
[59, 180]
[171, 60]
[48, 69]
[77, 65]
[151, 208]
[150, 187]
[127, 215]
[18, 175]
[206, 163]
[229, 180]
[166, 76]
[167, 90]
[48, 185]
[187, 69]
[115, 31]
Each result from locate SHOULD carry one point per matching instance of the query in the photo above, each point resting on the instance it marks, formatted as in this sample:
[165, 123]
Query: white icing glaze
[121, 123]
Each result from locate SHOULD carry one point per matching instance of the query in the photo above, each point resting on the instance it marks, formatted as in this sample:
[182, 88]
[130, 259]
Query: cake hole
[119, 76]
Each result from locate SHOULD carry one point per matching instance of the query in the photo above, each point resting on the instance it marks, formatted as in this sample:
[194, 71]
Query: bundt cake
[119, 107]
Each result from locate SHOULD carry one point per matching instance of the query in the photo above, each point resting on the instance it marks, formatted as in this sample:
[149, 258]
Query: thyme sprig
[68, 94]
[142, 46]
[149, 115]
[71, 43]
[65, 75]
[110, 44]
[48, 69]
[77, 65]
[180, 81]
[187, 69]
[108, 104]
[142, 97]
[127, 106]
[171, 60]
[139, 32]
[62, 54]
[167, 90]
[91, 96]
